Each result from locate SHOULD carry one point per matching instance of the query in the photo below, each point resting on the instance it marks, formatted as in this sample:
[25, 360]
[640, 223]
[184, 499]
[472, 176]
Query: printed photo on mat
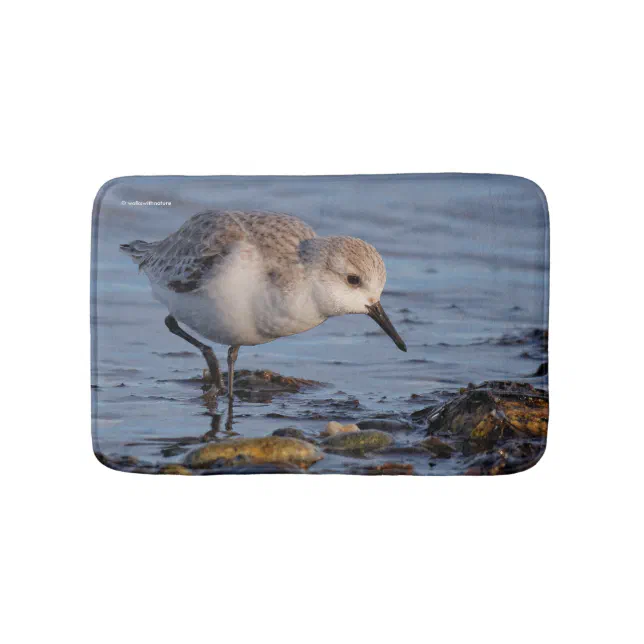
[391, 324]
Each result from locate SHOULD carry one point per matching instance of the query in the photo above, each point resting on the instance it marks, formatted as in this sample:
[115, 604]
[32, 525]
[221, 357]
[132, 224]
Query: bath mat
[383, 325]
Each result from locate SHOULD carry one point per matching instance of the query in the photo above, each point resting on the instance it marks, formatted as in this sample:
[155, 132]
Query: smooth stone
[385, 425]
[332, 428]
[269, 449]
[362, 441]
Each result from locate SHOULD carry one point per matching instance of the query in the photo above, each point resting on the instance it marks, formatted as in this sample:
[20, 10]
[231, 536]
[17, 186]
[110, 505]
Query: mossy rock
[255, 451]
[493, 410]
[362, 441]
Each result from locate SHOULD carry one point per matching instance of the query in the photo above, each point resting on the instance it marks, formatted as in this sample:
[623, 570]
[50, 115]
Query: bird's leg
[215, 424]
[232, 357]
[206, 351]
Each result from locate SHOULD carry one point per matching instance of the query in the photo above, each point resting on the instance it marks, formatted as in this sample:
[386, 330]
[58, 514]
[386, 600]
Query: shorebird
[247, 278]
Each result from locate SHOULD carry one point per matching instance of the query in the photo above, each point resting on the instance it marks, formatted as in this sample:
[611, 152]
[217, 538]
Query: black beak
[378, 315]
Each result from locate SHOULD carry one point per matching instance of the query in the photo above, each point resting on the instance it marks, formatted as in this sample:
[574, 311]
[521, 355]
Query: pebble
[334, 428]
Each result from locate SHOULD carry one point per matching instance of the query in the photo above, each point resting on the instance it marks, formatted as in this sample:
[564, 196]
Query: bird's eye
[354, 280]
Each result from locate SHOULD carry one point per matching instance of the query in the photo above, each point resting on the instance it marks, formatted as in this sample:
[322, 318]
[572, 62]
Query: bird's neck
[315, 255]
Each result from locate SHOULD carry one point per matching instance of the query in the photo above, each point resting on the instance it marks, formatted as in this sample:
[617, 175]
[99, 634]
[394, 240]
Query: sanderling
[246, 278]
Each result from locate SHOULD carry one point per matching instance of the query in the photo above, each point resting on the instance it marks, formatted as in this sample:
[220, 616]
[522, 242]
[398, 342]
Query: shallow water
[466, 285]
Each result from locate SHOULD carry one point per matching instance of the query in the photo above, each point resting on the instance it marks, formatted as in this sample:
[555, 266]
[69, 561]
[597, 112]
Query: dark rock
[542, 370]
[125, 463]
[385, 425]
[438, 448]
[537, 337]
[422, 414]
[290, 432]
[403, 450]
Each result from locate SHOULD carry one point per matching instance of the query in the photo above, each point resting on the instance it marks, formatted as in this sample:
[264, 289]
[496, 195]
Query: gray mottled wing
[187, 258]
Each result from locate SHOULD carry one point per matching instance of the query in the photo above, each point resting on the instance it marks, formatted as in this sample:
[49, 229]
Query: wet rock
[510, 457]
[421, 415]
[254, 451]
[542, 370]
[173, 450]
[125, 463]
[257, 468]
[491, 411]
[404, 450]
[538, 337]
[362, 441]
[261, 386]
[117, 461]
[489, 464]
[391, 469]
[385, 425]
[290, 432]
[334, 428]
[175, 468]
[438, 448]
[334, 407]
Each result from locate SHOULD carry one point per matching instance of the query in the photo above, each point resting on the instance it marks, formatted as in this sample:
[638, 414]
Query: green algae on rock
[362, 441]
[269, 449]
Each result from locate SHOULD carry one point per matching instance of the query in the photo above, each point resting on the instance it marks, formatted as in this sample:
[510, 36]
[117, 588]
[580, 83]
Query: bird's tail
[138, 250]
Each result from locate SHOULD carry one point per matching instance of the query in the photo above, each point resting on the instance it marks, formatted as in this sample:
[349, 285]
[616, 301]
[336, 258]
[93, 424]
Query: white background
[546, 90]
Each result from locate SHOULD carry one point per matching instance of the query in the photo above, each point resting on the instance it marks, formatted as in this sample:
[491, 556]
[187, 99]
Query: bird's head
[351, 277]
